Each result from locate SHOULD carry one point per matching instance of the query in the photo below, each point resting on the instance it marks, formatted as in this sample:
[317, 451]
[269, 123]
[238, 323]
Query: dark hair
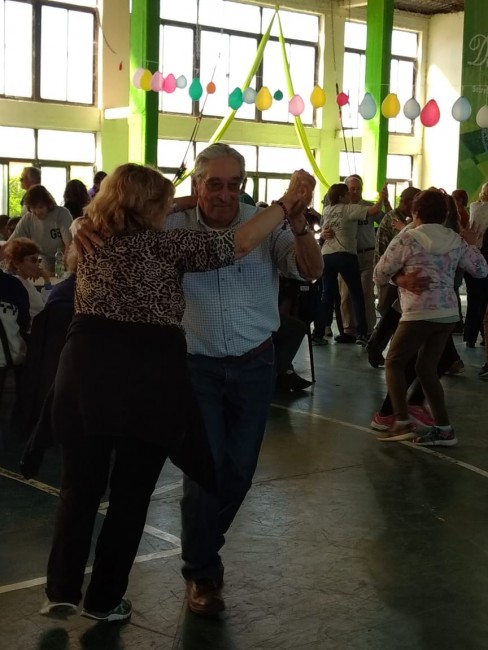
[38, 195]
[409, 193]
[4, 220]
[336, 192]
[430, 206]
[98, 178]
[76, 197]
[461, 196]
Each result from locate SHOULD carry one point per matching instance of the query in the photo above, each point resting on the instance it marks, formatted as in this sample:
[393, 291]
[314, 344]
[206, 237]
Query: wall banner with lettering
[473, 145]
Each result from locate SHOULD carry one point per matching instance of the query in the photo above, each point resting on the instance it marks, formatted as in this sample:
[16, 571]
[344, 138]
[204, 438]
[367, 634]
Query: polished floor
[344, 542]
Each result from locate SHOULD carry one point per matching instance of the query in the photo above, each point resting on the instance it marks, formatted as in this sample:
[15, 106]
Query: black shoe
[483, 373]
[292, 381]
[375, 358]
[345, 338]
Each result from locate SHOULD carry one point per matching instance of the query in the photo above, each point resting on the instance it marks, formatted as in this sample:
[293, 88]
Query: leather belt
[365, 250]
[249, 355]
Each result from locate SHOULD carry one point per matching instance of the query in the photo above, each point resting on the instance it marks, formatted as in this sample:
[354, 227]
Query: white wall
[443, 83]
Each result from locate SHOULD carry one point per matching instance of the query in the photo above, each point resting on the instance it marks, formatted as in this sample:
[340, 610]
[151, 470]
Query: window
[402, 74]
[48, 51]
[217, 40]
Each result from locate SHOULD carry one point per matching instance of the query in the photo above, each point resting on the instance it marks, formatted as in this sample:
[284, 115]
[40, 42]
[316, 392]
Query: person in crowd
[29, 177]
[287, 340]
[476, 288]
[428, 318]
[340, 224]
[15, 319]
[366, 241]
[46, 223]
[157, 262]
[97, 179]
[4, 231]
[22, 258]
[11, 225]
[229, 326]
[75, 197]
[460, 198]
[244, 197]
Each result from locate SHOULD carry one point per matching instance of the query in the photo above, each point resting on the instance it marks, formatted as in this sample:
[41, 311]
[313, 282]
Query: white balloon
[411, 110]
[181, 81]
[482, 117]
[367, 108]
[249, 96]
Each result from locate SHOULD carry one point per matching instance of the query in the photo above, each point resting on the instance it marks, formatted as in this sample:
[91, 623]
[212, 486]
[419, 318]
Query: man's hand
[413, 282]
[397, 224]
[85, 237]
[303, 183]
[327, 233]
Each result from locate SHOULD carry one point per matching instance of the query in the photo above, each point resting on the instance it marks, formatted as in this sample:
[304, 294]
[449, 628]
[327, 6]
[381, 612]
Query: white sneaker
[51, 607]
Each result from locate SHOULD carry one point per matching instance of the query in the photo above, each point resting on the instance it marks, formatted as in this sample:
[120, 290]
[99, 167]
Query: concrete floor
[344, 542]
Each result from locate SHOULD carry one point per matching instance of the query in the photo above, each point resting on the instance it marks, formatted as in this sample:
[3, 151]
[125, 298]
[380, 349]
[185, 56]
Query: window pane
[250, 156]
[280, 160]
[230, 15]
[353, 85]
[401, 83]
[183, 10]
[3, 189]
[66, 145]
[355, 36]
[17, 143]
[303, 27]
[172, 152]
[54, 180]
[17, 40]
[83, 173]
[80, 3]
[350, 163]
[404, 43]
[228, 59]
[54, 60]
[184, 188]
[176, 57]
[399, 167]
[67, 69]
[80, 57]
[301, 60]
[15, 192]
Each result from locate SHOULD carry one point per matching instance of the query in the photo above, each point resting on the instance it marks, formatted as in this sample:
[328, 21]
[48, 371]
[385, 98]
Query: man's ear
[194, 186]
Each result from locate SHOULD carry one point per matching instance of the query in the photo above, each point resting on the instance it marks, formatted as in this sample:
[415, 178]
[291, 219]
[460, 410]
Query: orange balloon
[211, 88]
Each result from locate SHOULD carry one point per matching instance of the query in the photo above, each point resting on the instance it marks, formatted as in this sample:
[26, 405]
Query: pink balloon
[136, 79]
[430, 114]
[296, 105]
[169, 85]
[157, 81]
[342, 99]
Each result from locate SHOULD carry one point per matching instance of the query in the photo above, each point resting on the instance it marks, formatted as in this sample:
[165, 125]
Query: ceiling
[429, 7]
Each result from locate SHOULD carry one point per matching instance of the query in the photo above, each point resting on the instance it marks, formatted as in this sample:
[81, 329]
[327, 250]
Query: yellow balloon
[145, 81]
[263, 99]
[317, 98]
[390, 106]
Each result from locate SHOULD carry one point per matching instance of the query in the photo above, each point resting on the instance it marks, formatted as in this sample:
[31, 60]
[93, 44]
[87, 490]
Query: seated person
[22, 257]
[46, 223]
[15, 319]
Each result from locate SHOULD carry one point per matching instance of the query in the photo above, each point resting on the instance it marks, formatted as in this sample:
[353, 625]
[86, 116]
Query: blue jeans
[234, 398]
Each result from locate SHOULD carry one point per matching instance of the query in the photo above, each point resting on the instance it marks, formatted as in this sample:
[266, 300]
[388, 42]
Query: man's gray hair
[217, 150]
[34, 175]
[351, 176]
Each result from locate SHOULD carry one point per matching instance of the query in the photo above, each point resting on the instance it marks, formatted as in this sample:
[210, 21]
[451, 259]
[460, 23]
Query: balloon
[211, 88]
[181, 81]
[136, 79]
[296, 105]
[430, 114]
[342, 99]
[195, 90]
[235, 99]
[145, 80]
[249, 96]
[263, 99]
[482, 117]
[390, 106]
[411, 110]
[317, 98]
[461, 109]
[278, 96]
[157, 81]
[169, 84]
[367, 108]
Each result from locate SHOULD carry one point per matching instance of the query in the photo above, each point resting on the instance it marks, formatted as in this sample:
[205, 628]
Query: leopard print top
[138, 277]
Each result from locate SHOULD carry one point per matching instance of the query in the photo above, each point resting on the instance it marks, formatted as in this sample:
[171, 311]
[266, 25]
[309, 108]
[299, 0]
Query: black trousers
[287, 340]
[86, 469]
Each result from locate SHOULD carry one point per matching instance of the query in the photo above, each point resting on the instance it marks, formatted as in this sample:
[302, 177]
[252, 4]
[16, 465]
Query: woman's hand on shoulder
[85, 237]
[470, 234]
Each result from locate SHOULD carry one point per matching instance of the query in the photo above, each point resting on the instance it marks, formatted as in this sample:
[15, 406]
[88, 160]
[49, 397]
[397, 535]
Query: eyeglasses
[214, 185]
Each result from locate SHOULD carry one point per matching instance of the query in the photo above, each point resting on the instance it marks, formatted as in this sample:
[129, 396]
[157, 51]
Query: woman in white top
[22, 257]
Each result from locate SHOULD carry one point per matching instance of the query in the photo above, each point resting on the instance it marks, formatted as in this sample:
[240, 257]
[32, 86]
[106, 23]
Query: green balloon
[235, 99]
[278, 95]
[195, 90]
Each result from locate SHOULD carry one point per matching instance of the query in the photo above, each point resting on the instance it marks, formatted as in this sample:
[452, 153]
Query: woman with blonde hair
[123, 387]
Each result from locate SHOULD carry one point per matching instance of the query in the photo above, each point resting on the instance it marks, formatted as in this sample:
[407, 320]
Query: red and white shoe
[420, 416]
[382, 422]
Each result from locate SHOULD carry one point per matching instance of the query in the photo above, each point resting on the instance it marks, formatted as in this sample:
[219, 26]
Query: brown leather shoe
[204, 597]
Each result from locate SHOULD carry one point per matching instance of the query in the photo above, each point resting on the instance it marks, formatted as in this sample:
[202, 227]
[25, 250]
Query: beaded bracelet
[285, 212]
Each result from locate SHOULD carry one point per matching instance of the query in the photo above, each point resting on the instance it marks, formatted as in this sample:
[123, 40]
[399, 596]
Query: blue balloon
[411, 110]
[367, 108]
[461, 109]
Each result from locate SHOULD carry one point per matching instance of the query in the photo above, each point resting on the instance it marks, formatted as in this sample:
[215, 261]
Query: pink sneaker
[420, 416]
[382, 422]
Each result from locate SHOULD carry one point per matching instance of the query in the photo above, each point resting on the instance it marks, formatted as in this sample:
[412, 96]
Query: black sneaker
[292, 381]
[319, 340]
[345, 338]
[122, 612]
[362, 340]
[483, 373]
